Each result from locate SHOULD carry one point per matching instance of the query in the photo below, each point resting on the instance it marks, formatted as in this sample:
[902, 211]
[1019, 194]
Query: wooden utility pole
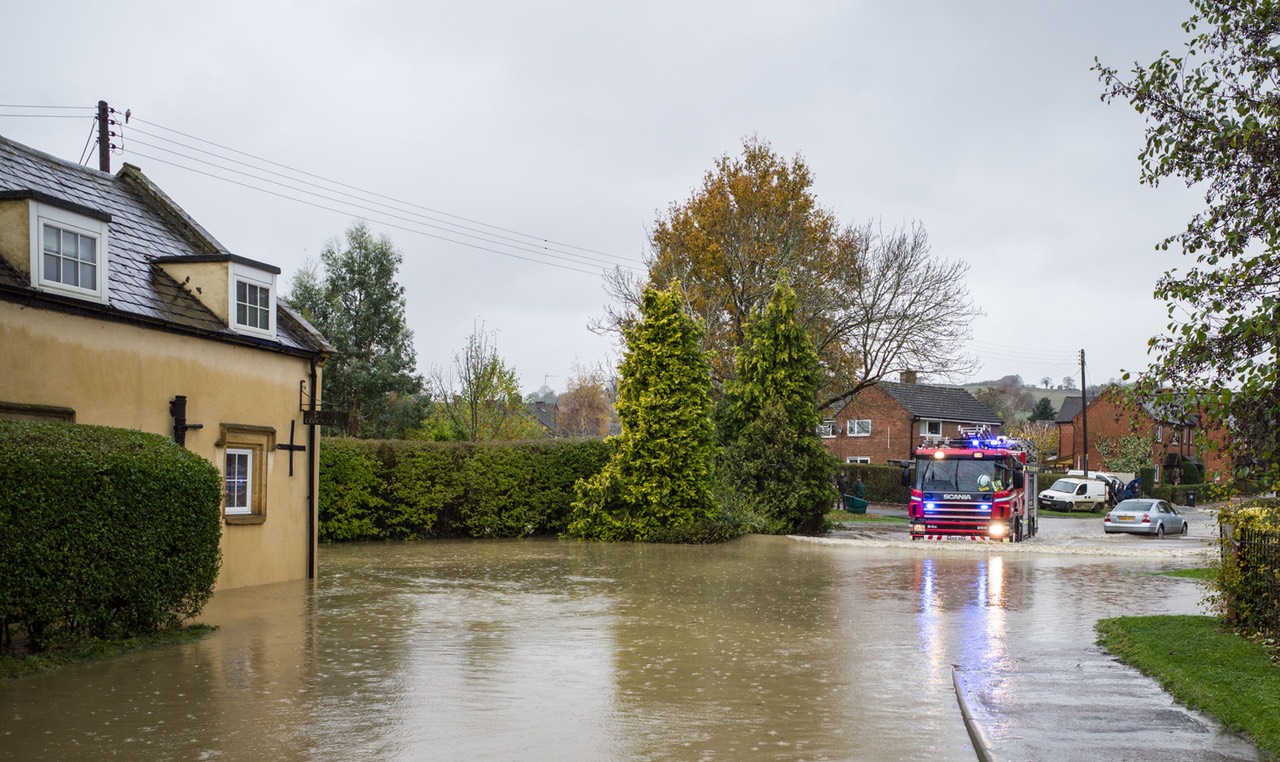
[1084, 415]
[104, 138]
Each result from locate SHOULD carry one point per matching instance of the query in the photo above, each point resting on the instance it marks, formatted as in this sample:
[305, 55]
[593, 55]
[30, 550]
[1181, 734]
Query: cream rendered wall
[15, 233]
[115, 374]
[207, 281]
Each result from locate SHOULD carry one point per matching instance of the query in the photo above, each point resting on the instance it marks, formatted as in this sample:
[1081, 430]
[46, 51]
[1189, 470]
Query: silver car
[1144, 515]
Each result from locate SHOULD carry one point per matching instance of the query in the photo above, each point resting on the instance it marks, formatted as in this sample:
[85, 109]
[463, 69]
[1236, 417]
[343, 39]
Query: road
[1055, 695]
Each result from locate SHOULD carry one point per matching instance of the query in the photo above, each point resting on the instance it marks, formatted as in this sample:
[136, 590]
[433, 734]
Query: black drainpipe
[313, 457]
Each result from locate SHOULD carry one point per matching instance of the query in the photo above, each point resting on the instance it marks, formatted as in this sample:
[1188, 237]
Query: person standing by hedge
[859, 489]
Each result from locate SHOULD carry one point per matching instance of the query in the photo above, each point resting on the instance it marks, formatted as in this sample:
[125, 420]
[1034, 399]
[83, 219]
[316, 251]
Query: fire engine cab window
[954, 475]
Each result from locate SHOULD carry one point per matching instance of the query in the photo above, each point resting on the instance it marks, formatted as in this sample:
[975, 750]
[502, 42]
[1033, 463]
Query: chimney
[907, 377]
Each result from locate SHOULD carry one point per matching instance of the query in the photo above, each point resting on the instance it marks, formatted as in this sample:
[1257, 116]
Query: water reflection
[764, 648]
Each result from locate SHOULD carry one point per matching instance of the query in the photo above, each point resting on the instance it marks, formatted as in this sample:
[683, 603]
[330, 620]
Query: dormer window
[253, 305]
[253, 300]
[70, 257]
[68, 253]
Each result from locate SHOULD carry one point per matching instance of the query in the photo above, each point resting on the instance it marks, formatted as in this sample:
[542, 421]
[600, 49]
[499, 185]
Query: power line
[22, 105]
[371, 193]
[480, 235]
[382, 222]
[42, 116]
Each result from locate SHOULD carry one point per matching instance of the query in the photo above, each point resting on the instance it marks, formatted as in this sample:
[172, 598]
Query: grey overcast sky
[577, 122]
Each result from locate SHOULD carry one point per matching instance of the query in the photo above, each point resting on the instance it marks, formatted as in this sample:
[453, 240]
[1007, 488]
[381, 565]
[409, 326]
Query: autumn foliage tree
[769, 422]
[659, 476]
[1213, 120]
[869, 298]
[584, 410]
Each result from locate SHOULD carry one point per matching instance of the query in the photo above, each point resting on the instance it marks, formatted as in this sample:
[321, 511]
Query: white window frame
[827, 429]
[251, 276]
[40, 215]
[852, 427]
[1160, 433]
[925, 425]
[858, 459]
[248, 508]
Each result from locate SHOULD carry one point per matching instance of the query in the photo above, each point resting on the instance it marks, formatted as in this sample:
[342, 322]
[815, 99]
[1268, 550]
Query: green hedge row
[884, 483]
[409, 490]
[1177, 493]
[103, 532]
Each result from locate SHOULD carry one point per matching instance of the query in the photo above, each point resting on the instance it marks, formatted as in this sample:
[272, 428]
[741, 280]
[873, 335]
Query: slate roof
[1070, 409]
[944, 403]
[143, 225]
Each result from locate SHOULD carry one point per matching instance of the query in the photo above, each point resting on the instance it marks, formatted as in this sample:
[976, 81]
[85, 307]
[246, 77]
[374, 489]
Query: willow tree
[773, 456]
[869, 298]
[658, 480]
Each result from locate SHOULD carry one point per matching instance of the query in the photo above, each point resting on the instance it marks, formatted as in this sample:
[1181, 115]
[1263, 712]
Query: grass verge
[1208, 573]
[22, 665]
[1206, 667]
[1071, 514]
[843, 517]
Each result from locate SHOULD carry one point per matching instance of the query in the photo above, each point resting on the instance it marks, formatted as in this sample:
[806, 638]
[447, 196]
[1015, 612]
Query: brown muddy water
[764, 648]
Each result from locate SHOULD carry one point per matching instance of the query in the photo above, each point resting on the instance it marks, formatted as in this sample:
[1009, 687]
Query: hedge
[411, 490]
[884, 483]
[1246, 592]
[1177, 493]
[104, 532]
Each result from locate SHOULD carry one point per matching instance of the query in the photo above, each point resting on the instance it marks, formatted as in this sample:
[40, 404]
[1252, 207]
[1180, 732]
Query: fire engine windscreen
[957, 475]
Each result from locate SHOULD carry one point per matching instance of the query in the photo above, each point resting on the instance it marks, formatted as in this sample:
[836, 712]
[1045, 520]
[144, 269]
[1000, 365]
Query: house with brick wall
[1113, 416]
[889, 420]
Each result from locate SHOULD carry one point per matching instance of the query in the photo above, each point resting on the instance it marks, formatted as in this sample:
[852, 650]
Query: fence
[1250, 580]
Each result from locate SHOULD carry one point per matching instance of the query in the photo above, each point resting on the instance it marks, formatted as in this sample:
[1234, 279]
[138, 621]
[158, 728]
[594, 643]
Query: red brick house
[1112, 416]
[888, 421]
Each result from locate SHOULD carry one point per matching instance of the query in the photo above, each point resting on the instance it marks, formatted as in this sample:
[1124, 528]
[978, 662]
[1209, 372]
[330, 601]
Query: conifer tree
[659, 476]
[770, 418]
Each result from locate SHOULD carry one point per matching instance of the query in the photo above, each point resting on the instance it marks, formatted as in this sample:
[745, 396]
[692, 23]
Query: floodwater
[764, 648]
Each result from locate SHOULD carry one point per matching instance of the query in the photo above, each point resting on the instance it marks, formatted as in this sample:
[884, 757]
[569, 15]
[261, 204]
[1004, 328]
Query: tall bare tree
[874, 302]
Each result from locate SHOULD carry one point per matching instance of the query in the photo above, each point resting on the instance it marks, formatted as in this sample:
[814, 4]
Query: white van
[1075, 495]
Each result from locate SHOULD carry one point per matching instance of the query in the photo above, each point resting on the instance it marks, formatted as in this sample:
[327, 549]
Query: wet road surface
[1051, 699]
[765, 648]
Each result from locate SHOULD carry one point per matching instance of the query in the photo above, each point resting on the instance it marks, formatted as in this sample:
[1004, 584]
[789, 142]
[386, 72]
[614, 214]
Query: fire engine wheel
[1017, 529]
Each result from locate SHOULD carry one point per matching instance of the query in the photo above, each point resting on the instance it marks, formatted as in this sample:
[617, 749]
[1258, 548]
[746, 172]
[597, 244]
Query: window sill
[245, 519]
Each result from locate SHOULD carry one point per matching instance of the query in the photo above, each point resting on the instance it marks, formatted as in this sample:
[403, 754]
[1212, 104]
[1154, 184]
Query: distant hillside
[1056, 396]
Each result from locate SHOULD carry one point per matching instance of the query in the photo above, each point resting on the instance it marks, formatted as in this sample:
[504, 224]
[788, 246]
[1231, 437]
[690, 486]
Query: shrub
[769, 422]
[1191, 473]
[1147, 475]
[1177, 493]
[661, 469]
[103, 532]
[408, 490]
[884, 483]
[1246, 593]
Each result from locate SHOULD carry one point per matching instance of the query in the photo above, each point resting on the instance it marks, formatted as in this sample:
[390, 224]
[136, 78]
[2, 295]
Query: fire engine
[975, 486]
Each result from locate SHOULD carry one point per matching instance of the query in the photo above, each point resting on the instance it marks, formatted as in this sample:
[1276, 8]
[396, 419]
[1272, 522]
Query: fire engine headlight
[917, 528]
[998, 529]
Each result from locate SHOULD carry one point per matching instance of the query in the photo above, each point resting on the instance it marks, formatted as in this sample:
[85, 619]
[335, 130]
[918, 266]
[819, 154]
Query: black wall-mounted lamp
[178, 409]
